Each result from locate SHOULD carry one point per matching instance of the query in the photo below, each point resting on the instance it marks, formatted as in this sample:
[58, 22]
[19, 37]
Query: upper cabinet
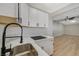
[23, 11]
[28, 16]
[33, 17]
[42, 19]
[37, 18]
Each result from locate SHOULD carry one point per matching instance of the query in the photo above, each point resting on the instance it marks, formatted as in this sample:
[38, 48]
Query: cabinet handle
[42, 47]
[44, 25]
[20, 20]
[28, 23]
[37, 24]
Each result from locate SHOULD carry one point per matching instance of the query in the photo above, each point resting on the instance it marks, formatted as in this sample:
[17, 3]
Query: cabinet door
[40, 18]
[33, 19]
[46, 44]
[45, 16]
[24, 14]
[43, 19]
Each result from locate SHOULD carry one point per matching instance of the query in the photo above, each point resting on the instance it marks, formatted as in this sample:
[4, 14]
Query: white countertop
[40, 51]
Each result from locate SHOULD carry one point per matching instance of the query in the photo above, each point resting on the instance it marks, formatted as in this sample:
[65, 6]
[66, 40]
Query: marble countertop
[40, 51]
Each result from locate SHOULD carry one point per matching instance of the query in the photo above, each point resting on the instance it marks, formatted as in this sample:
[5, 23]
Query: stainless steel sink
[24, 50]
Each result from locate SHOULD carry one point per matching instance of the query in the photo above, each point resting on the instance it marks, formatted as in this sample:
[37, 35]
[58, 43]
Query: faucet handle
[8, 50]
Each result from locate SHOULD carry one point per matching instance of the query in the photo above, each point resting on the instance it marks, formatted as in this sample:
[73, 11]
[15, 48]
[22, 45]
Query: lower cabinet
[46, 45]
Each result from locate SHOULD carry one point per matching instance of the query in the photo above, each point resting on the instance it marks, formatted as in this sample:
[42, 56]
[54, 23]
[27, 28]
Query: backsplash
[27, 31]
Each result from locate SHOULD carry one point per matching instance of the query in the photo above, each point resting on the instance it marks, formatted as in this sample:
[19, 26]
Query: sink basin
[24, 50]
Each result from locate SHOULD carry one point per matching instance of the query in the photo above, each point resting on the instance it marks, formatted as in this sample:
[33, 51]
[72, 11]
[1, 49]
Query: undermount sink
[24, 50]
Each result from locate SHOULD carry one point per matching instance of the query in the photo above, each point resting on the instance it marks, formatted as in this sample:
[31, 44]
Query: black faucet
[3, 49]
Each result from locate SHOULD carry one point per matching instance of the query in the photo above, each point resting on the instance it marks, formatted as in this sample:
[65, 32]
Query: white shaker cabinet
[43, 19]
[33, 17]
[38, 18]
[24, 14]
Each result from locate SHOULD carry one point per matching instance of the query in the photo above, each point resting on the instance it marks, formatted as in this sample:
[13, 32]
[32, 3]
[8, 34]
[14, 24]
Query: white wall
[50, 26]
[72, 29]
[58, 29]
[8, 9]
[68, 29]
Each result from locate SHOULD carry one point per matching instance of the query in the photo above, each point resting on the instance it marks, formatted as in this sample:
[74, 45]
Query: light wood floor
[66, 45]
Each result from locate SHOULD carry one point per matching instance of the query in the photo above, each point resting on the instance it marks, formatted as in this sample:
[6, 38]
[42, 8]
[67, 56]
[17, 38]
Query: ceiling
[49, 7]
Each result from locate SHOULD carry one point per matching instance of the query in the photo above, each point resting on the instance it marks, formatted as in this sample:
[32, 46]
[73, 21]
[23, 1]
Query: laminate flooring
[66, 45]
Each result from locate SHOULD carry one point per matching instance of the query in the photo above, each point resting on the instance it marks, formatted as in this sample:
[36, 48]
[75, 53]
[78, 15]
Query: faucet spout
[3, 49]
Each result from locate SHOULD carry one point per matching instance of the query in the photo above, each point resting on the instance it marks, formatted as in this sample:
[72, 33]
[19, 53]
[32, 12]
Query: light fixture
[68, 22]
[72, 21]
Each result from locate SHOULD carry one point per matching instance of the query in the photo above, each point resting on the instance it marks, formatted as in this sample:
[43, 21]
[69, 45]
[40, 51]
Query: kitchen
[10, 13]
[40, 23]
